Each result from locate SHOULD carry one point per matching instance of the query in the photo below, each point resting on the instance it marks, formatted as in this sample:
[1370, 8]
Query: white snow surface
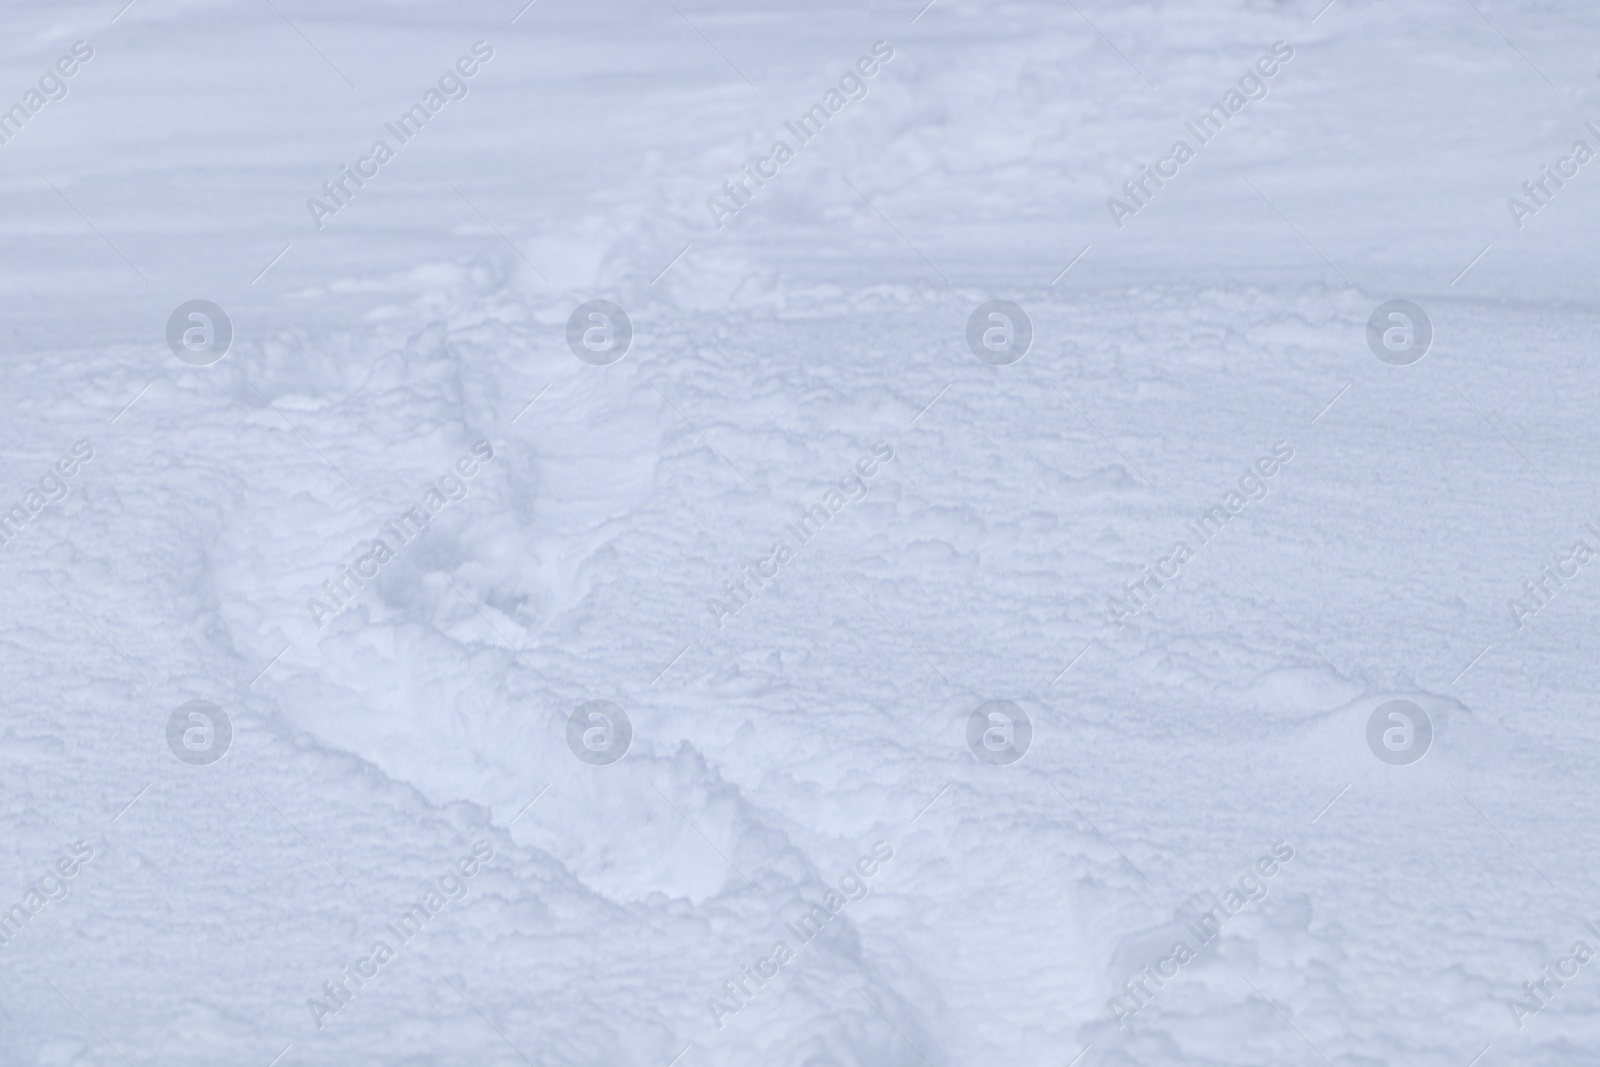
[828, 714]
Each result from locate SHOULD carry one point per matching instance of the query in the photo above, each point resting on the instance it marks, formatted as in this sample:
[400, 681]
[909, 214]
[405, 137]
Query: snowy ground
[781, 752]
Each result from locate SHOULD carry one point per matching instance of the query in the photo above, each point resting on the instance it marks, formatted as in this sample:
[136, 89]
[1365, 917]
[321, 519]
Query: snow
[1220, 715]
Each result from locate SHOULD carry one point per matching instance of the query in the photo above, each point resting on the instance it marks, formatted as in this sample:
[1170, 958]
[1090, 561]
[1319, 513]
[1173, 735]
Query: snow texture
[809, 853]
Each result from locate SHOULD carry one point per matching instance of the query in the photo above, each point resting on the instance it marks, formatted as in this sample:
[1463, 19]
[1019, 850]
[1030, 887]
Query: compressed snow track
[778, 748]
